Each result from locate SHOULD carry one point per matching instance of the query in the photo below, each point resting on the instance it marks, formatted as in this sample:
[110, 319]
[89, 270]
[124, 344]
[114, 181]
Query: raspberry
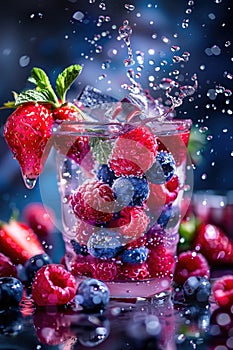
[7, 268]
[132, 222]
[212, 242]
[83, 267]
[92, 294]
[134, 152]
[93, 202]
[105, 270]
[160, 262]
[53, 285]
[131, 191]
[133, 272]
[190, 264]
[197, 289]
[223, 291]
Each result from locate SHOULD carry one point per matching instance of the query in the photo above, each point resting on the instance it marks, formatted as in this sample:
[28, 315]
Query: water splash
[125, 32]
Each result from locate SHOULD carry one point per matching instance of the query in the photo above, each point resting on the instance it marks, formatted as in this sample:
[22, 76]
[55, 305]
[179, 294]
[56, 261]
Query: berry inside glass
[122, 195]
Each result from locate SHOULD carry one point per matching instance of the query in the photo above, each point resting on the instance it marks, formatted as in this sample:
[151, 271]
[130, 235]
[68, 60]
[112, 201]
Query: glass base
[156, 288]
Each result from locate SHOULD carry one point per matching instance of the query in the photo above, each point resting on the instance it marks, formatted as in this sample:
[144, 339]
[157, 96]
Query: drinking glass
[123, 190]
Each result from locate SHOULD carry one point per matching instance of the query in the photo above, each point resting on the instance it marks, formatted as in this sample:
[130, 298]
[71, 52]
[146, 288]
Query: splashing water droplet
[29, 182]
[175, 48]
[129, 7]
[125, 32]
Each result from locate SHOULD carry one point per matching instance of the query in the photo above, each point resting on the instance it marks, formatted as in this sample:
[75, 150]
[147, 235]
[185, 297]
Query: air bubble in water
[129, 7]
[24, 61]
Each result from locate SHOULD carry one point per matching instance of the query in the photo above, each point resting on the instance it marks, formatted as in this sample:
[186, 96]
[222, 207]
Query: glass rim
[68, 126]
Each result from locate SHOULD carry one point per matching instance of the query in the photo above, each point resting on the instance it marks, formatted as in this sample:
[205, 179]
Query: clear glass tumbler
[122, 189]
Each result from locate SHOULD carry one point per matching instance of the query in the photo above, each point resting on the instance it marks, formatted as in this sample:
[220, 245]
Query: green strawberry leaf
[101, 149]
[41, 96]
[42, 82]
[66, 79]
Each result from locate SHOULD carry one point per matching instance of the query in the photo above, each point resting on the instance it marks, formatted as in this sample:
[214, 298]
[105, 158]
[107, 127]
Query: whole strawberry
[28, 129]
[27, 132]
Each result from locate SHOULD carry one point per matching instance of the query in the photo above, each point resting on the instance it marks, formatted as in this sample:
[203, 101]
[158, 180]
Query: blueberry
[197, 289]
[11, 292]
[78, 248]
[163, 169]
[11, 322]
[33, 264]
[92, 294]
[131, 191]
[169, 217]
[134, 256]
[104, 244]
[105, 174]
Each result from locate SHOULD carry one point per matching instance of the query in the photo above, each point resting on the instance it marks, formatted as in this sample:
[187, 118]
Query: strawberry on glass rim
[28, 129]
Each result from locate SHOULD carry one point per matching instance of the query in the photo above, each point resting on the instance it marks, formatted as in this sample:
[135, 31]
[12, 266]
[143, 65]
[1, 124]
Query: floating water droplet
[211, 16]
[29, 182]
[187, 90]
[78, 16]
[228, 75]
[204, 176]
[175, 48]
[129, 7]
[212, 94]
[202, 67]
[215, 49]
[185, 23]
[102, 6]
[227, 43]
[99, 49]
[24, 61]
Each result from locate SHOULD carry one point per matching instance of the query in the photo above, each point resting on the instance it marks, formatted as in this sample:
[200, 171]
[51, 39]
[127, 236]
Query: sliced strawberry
[223, 290]
[212, 242]
[19, 242]
[7, 268]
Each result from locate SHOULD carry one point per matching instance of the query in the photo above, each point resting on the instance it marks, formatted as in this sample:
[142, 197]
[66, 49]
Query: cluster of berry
[123, 211]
